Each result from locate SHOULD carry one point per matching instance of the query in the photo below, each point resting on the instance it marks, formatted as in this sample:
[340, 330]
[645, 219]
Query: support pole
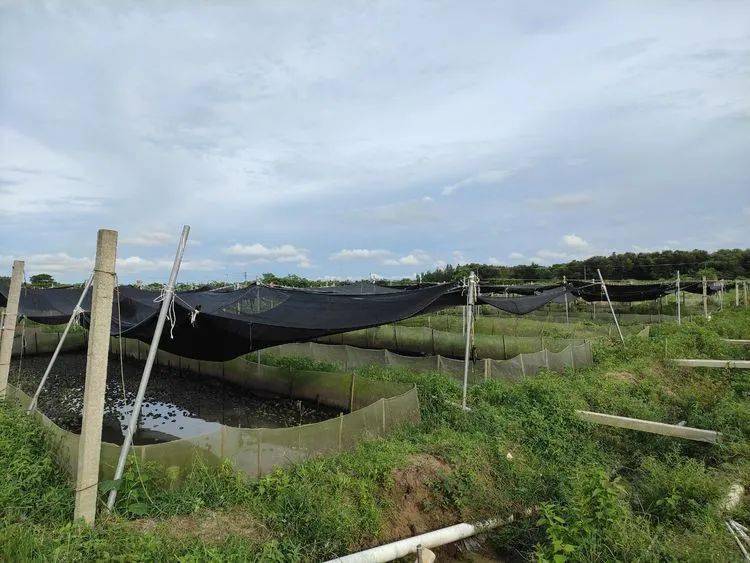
[705, 298]
[9, 324]
[60, 342]
[470, 300]
[165, 305]
[736, 293]
[679, 306]
[567, 315]
[744, 288]
[611, 308]
[90, 442]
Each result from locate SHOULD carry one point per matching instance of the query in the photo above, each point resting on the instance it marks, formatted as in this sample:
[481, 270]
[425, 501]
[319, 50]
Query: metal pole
[679, 306]
[165, 305]
[470, 300]
[567, 317]
[76, 310]
[705, 298]
[97, 358]
[9, 324]
[611, 308]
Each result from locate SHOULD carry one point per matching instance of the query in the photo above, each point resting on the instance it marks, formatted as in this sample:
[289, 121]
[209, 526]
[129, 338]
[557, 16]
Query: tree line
[723, 264]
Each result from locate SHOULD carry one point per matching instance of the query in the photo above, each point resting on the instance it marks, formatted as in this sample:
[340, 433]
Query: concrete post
[89, 446]
[9, 324]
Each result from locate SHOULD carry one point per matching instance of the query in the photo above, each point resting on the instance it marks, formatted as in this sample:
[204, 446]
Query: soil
[178, 404]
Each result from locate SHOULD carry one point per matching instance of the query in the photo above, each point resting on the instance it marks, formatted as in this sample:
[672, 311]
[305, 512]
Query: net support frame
[611, 308]
[163, 311]
[470, 300]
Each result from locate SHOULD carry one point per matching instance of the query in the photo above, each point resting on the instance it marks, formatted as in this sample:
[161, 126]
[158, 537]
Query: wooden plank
[739, 342]
[673, 430]
[731, 364]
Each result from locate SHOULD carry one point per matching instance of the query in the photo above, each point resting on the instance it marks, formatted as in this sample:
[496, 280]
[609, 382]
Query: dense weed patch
[580, 492]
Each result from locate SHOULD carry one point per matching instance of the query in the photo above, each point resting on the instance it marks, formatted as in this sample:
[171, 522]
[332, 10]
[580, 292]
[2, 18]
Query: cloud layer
[342, 139]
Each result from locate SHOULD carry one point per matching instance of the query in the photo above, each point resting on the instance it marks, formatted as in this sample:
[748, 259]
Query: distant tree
[42, 280]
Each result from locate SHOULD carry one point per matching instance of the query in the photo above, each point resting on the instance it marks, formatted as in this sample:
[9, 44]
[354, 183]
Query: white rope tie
[171, 316]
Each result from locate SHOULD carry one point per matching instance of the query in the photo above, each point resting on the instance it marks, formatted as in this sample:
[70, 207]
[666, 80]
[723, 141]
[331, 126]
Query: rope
[171, 317]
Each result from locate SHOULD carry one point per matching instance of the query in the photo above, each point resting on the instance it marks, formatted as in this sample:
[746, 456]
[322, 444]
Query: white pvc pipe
[165, 305]
[76, 310]
[436, 538]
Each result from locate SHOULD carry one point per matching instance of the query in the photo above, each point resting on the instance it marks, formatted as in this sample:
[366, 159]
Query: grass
[596, 493]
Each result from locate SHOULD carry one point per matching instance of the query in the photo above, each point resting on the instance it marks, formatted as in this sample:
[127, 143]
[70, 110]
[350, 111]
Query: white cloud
[575, 242]
[285, 253]
[564, 201]
[415, 258]
[515, 256]
[746, 211]
[360, 254]
[156, 238]
[487, 178]
[493, 261]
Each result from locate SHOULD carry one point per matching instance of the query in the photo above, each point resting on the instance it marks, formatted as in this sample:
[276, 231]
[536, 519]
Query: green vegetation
[725, 263]
[580, 492]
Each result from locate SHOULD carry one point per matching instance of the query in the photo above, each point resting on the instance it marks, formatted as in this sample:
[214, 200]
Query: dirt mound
[208, 526]
[416, 508]
[621, 376]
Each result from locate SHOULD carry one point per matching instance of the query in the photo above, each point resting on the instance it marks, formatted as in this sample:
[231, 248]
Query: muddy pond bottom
[177, 404]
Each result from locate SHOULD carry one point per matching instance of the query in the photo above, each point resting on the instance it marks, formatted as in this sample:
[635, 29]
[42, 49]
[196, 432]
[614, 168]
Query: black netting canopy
[525, 304]
[232, 323]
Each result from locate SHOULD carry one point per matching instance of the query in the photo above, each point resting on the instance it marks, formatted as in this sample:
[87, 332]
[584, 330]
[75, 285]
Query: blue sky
[337, 140]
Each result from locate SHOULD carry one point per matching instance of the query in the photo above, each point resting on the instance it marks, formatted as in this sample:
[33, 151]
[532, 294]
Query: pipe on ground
[436, 538]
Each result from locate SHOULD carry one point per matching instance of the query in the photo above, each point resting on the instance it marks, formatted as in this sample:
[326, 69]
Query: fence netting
[369, 408]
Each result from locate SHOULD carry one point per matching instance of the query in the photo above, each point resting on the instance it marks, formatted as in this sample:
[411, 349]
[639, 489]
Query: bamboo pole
[60, 341]
[9, 324]
[90, 442]
[567, 315]
[165, 306]
[611, 308]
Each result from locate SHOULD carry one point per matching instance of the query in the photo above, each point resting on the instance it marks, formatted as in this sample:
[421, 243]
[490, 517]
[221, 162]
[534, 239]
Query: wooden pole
[470, 300]
[567, 315]
[9, 324]
[90, 442]
[736, 293]
[676, 431]
[705, 298]
[611, 308]
[679, 306]
[744, 287]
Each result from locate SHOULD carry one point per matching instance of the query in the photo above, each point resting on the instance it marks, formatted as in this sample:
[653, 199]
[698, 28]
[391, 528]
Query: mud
[177, 404]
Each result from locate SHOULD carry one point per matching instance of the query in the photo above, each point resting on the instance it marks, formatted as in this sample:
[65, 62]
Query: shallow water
[177, 404]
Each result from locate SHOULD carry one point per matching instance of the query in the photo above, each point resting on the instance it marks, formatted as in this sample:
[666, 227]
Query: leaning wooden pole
[611, 308]
[9, 324]
[90, 443]
[165, 306]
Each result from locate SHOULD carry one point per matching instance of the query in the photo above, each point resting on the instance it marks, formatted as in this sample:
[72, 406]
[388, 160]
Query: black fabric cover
[233, 323]
[626, 293]
[526, 304]
[525, 289]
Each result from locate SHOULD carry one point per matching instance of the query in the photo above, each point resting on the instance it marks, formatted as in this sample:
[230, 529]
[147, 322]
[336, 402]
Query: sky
[344, 139]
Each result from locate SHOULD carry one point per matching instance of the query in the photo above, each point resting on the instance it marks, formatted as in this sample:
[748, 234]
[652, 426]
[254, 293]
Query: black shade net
[221, 325]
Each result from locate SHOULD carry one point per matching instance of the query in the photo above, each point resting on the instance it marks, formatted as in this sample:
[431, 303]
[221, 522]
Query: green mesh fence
[523, 364]
[425, 340]
[375, 408]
